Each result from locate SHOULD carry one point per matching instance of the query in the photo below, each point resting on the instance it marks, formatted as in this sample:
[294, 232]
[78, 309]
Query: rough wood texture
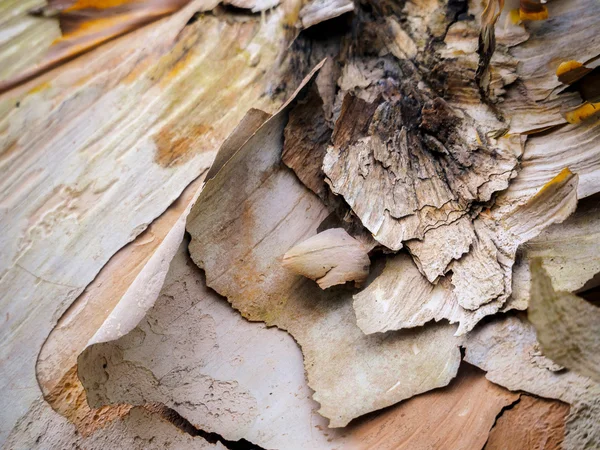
[351, 373]
[432, 159]
[400, 298]
[318, 11]
[566, 325]
[533, 424]
[88, 168]
[85, 25]
[508, 351]
[440, 144]
[307, 135]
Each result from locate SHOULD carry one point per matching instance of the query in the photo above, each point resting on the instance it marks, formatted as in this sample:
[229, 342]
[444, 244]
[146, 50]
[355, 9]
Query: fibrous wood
[377, 219]
[248, 271]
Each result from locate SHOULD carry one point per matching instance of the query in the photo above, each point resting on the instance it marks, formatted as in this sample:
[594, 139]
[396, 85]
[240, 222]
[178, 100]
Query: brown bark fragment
[307, 135]
[532, 424]
[457, 417]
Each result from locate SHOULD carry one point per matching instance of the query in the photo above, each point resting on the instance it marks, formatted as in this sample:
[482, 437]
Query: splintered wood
[318, 224]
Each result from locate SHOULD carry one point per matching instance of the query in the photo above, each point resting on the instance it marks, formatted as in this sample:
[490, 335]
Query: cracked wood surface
[400, 298]
[266, 213]
[87, 168]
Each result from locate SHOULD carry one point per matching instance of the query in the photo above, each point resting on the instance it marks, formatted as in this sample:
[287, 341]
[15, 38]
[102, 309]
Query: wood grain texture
[533, 424]
[96, 154]
[267, 212]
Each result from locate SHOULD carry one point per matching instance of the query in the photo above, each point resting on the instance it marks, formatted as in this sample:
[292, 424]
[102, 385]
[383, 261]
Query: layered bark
[372, 213]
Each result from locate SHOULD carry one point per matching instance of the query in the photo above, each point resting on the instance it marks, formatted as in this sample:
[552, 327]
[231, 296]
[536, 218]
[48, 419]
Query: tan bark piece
[330, 257]
[566, 325]
[572, 146]
[400, 298]
[351, 373]
[442, 245]
[508, 351]
[195, 354]
[231, 350]
[533, 423]
[129, 266]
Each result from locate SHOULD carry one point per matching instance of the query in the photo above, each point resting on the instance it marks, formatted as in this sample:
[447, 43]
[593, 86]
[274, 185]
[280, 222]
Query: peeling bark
[566, 325]
[331, 257]
[276, 212]
[508, 351]
[450, 142]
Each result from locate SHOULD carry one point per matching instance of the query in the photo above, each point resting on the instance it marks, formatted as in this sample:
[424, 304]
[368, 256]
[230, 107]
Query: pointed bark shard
[566, 325]
[330, 257]
[442, 245]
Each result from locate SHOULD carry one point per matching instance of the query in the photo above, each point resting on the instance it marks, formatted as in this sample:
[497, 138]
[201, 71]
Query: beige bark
[412, 158]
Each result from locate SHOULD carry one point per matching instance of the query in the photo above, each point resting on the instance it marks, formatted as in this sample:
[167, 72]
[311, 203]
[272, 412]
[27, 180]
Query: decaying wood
[509, 353]
[266, 220]
[330, 257]
[400, 298]
[566, 325]
[451, 143]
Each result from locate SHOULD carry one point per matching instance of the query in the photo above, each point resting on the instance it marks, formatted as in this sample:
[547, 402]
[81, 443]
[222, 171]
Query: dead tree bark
[299, 224]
